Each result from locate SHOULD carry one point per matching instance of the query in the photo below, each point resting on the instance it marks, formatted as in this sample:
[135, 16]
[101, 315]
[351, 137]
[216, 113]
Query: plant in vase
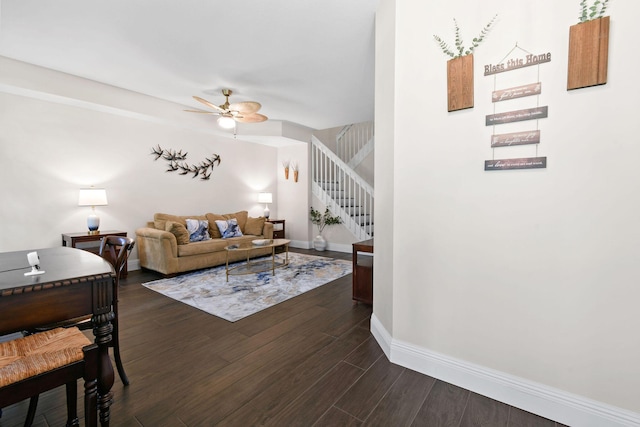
[321, 220]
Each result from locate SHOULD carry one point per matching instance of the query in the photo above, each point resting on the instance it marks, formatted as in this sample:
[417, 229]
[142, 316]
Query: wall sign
[517, 92]
[501, 97]
[513, 64]
[523, 163]
[515, 138]
[517, 116]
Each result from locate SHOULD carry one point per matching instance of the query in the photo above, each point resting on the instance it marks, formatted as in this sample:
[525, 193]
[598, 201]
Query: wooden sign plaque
[517, 115]
[522, 163]
[515, 138]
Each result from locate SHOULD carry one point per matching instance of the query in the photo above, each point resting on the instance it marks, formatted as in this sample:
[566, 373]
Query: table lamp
[93, 197]
[265, 198]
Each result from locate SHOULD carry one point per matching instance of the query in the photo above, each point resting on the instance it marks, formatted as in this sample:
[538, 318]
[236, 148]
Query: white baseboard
[133, 264]
[337, 247]
[548, 402]
[300, 244]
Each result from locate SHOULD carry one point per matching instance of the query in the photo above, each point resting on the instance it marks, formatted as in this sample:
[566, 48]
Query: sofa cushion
[178, 230]
[254, 226]
[229, 228]
[213, 228]
[242, 219]
[160, 219]
[214, 232]
[210, 246]
[198, 229]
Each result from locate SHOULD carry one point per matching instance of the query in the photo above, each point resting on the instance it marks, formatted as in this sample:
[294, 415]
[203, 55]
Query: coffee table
[261, 265]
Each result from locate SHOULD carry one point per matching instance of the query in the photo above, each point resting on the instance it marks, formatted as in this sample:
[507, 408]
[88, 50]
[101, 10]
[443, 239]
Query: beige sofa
[163, 245]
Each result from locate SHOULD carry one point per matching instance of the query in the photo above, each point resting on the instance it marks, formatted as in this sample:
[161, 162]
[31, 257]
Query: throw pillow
[178, 230]
[241, 217]
[229, 228]
[198, 229]
[254, 226]
[213, 228]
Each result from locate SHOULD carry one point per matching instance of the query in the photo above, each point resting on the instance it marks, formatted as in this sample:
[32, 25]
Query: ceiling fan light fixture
[226, 122]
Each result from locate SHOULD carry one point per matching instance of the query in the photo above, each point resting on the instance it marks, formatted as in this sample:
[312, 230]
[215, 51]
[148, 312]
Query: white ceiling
[309, 62]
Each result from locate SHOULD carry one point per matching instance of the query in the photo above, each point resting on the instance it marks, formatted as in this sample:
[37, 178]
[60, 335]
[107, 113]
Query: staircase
[338, 186]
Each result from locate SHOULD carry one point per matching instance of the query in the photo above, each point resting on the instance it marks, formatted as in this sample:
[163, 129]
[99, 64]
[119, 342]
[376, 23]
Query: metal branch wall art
[177, 162]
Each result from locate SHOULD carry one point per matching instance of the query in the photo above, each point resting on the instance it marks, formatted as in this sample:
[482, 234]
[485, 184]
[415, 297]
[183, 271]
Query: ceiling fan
[241, 112]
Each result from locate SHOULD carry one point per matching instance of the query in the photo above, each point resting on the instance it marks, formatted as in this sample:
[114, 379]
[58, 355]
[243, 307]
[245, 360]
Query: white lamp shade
[265, 198]
[92, 197]
[226, 122]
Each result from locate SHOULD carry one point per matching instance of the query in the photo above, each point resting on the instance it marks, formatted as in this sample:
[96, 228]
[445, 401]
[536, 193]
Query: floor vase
[319, 243]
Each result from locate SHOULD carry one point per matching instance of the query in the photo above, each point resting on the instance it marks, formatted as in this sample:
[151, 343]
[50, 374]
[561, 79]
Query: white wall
[528, 274]
[59, 133]
[293, 197]
[384, 246]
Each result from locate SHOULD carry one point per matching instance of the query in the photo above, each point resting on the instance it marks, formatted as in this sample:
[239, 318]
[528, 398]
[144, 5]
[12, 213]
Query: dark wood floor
[310, 361]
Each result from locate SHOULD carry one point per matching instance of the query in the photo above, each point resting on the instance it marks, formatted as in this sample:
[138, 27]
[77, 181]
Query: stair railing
[342, 190]
[354, 142]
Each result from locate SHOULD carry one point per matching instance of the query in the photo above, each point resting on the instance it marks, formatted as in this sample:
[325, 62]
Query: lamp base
[266, 212]
[93, 223]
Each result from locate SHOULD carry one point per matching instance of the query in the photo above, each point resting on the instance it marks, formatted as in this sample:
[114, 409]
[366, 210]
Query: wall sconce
[294, 168]
[286, 164]
[93, 197]
[265, 198]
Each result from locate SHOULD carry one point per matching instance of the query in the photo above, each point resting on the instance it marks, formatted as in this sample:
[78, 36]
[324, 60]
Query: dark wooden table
[363, 272]
[75, 283]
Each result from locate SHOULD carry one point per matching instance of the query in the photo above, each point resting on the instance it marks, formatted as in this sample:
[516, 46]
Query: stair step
[362, 219]
[346, 202]
[353, 210]
[329, 185]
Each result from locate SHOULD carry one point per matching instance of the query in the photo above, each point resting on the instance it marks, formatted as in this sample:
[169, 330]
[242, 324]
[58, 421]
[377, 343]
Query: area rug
[245, 295]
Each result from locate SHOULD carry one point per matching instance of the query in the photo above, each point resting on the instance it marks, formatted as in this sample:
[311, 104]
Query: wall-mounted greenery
[460, 68]
[594, 11]
[460, 50]
[589, 46]
[176, 160]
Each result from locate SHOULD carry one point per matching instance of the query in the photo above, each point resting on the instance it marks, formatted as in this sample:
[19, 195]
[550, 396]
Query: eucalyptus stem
[459, 49]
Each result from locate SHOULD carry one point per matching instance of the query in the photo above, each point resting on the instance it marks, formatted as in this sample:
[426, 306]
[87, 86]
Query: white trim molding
[548, 402]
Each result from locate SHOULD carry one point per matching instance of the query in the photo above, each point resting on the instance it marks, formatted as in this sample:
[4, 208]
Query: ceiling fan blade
[200, 111]
[251, 118]
[248, 107]
[207, 103]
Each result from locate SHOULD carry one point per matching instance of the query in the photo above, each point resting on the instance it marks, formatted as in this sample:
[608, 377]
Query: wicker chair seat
[38, 353]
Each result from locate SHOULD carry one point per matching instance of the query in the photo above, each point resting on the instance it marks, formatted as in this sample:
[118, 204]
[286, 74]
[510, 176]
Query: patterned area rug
[245, 295]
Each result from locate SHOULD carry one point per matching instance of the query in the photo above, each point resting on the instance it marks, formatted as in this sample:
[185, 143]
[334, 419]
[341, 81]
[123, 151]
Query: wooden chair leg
[115, 340]
[72, 405]
[91, 388]
[121, 372]
[31, 413]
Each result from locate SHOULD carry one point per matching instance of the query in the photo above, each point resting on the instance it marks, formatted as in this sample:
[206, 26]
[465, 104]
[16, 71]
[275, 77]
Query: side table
[278, 228]
[91, 242]
[363, 271]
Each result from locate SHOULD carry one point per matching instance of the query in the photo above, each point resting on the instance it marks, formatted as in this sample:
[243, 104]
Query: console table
[91, 243]
[363, 271]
